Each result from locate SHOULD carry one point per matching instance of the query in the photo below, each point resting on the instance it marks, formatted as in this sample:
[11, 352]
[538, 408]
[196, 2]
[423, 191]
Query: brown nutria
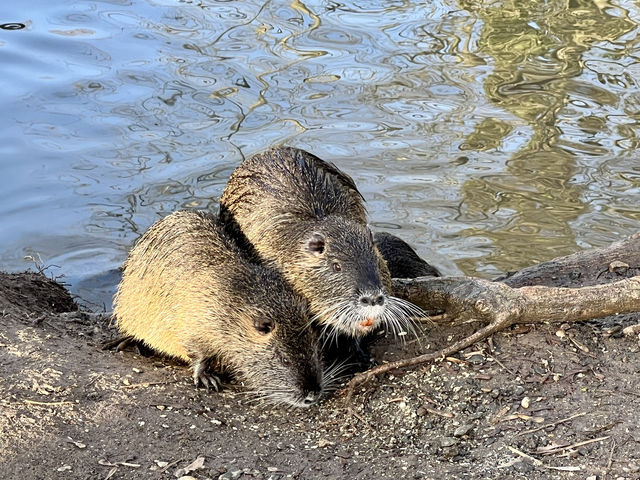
[307, 218]
[190, 292]
[402, 260]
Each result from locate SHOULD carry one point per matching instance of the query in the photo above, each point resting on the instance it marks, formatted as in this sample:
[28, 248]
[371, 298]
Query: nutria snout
[190, 292]
[307, 218]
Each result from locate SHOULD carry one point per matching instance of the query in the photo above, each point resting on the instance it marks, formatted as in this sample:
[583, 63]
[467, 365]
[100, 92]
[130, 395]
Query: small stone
[525, 402]
[618, 267]
[446, 442]
[462, 430]
[476, 359]
[421, 412]
[519, 390]
[523, 467]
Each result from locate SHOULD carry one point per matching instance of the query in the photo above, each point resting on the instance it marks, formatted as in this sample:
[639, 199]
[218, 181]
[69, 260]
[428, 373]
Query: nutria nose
[372, 300]
[311, 398]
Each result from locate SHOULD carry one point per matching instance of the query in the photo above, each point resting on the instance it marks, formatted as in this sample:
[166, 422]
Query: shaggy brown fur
[307, 218]
[188, 291]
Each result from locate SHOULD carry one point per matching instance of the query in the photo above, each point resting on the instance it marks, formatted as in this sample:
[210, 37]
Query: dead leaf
[195, 465]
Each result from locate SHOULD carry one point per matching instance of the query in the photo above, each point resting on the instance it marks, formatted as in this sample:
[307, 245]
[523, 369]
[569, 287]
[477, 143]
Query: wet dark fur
[402, 260]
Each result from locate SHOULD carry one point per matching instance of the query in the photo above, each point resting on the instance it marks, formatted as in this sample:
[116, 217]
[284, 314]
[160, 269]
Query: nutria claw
[204, 378]
[207, 380]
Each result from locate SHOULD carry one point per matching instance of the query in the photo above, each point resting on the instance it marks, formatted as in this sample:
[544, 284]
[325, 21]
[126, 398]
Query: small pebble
[448, 441]
[523, 467]
[618, 267]
[462, 430]
[476, 359]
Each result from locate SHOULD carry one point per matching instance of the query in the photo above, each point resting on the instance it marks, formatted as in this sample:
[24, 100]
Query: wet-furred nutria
[307, 218]
[188, 291]
[402, 260]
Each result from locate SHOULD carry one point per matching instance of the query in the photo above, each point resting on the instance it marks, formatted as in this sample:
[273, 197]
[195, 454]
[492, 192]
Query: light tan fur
[189, 292]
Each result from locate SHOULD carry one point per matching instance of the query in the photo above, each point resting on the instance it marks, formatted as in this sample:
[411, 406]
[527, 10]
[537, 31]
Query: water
[490, 135]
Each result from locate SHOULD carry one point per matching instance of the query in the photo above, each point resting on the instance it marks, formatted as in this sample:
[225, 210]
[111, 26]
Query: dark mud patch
[548, 402]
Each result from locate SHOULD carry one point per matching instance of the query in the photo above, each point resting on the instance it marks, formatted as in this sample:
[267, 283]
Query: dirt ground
[530, 403]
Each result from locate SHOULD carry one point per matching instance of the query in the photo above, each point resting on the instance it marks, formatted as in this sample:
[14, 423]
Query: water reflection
[538, 51]
[472, 128]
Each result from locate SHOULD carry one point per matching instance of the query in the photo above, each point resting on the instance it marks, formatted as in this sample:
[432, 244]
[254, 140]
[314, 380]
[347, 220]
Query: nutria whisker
[401, 313]
[328, 332]
[332, 376]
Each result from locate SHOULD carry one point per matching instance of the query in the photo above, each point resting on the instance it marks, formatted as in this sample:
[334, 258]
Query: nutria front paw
[207, 380]
[202, 377]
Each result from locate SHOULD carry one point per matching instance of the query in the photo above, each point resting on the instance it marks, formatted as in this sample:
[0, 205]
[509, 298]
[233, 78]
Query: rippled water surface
[490, 135]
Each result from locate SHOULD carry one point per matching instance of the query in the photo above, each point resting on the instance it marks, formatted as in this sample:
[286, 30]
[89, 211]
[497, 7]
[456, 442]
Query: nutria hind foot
[118, 343]
[201, 375]
[121, 343]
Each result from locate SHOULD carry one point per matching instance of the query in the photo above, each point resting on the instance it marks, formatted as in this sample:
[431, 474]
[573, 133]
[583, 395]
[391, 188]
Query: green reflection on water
[536, 49]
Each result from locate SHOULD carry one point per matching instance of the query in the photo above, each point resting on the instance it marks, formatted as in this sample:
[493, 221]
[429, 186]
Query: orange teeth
[367, 323]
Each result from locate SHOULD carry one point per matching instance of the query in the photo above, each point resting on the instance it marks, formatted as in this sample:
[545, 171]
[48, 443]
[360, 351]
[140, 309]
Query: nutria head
[278, 356]
[341, 273]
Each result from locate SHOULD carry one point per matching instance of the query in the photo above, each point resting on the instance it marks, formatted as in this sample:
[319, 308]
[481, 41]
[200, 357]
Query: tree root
[501, 306]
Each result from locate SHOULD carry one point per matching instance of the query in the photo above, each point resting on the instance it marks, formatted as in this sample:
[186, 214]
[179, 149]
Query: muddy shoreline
[529, 403]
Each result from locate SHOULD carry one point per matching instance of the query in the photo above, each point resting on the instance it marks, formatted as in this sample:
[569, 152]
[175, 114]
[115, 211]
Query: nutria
[307, 218]
[402, 260]
[190, 292]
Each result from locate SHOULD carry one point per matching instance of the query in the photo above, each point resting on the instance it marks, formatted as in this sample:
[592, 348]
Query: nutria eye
[263, 325]
[336, 267]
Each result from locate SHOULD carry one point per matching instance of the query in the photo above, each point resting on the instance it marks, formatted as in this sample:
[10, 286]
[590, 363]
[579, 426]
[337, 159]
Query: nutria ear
[315, 244]
[263, 325]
